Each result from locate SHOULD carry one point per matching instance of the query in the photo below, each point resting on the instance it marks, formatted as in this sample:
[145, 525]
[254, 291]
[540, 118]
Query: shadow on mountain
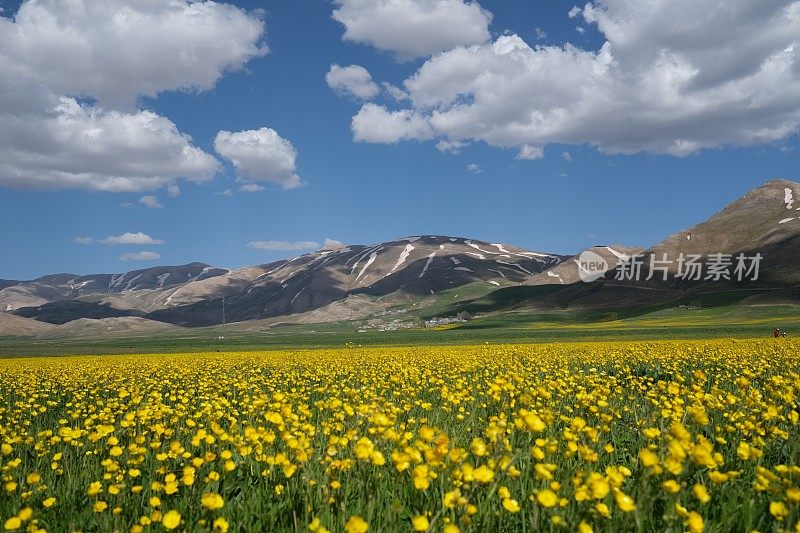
[612, 299]
[262, 301]
[69, 310]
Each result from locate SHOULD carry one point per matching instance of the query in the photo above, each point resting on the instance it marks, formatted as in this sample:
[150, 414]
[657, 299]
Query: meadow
[683, 435]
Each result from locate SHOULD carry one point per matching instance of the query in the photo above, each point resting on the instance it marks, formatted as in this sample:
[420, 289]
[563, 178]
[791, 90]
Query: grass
[724, 321]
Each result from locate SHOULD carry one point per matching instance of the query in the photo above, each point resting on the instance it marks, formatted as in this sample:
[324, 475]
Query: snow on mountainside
[419, 265]
[356, 280]
[192, 295]
[58, 287]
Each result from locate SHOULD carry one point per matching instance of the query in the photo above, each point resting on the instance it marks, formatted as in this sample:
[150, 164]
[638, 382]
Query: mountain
[765, 221]
[193, 295]
[412, 266]
[423, 276]
[67, 287]
[567, 272]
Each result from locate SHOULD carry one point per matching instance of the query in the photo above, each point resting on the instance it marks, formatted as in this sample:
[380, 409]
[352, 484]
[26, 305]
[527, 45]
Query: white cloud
[137, 238]
[475, 168]
[574, 12]
[413, 28]
[353, 80]
[74, 146]
[251, 187]
[540, 33]
[452, 147]
[671, 78]
[283, 246]
[260, 156]
[83, 240]
[227, 193]
[139, 256]
[376, 124]
[331, 244]
[71, 74]
[580, 29]
[150, 201]
[529, 152]
[566, 156]
[173, 190]
[395, 92]
[117, 50]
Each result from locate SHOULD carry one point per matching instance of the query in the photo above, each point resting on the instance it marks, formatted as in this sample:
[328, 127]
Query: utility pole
[222, 334]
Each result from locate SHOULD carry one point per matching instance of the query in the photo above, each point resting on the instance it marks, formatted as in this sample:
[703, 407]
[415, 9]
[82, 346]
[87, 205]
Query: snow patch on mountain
[371, 260]
[116, 281]
[473, 245]
[514, 265]
[296, 295]
[500, 247]
[427, 264]
[619, 255]
[131, 282]
[496, 272]
[403, 256]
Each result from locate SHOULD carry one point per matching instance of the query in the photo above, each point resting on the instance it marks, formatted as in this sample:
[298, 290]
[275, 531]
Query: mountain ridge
[411, 273]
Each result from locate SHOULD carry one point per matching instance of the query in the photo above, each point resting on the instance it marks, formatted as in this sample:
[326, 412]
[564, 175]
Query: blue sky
[366, 192]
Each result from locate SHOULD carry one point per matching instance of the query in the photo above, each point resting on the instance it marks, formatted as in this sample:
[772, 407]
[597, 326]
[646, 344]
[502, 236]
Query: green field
[734, 321]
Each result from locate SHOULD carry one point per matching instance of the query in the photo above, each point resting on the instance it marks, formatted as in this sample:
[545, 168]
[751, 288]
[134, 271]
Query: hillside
[413, 266]
[765, 221]
[398, 283]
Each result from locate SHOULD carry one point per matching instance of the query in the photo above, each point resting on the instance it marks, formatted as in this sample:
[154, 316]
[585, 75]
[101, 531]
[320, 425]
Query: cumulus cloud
[173, 190]
[283, 246]
[671, 78]
[139, 256]
[83, 240]
[353, 80]
[117, 50]
[260, 156]
[413, 28]
[137, 238]
[70, 77]
[375, 123]
[73, 146]
[150, 201]
[475, 168]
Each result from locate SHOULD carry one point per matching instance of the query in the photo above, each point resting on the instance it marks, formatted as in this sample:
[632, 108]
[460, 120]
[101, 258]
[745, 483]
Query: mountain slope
[414, 265]
[65, 287]
[442, 274]
[765, 221]
[420, 265]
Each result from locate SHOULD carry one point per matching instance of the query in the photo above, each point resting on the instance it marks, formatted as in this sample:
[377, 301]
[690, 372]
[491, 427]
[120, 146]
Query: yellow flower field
[651, 436]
